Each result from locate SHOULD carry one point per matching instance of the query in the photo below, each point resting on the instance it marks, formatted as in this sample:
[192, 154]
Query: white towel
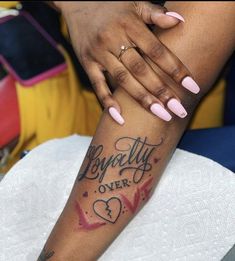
[191, 216]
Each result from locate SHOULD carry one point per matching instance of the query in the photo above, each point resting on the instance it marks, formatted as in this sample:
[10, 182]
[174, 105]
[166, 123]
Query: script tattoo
[45, 255]
[132, 161]
[133, 156]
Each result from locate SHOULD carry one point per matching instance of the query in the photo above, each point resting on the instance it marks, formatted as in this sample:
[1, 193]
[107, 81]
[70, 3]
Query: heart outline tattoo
[112, 205]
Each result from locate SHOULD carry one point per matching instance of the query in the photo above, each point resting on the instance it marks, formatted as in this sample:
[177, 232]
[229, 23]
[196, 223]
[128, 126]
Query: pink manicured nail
[177, 108]
[159, 111]
[116, 115]
[176, 15]
[190, 84]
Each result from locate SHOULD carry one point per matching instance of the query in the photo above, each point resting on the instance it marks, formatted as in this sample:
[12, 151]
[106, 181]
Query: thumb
[158, 15]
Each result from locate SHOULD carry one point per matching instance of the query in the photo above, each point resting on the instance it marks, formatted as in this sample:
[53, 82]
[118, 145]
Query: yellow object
[8, 4]
[210, 111]
[60, 106]
[54, 108]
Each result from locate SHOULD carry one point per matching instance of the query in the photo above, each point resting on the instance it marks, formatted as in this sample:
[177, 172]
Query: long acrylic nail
[177, 108]
[175, 15]
[116, 115]
[159, 111]
[190, 84]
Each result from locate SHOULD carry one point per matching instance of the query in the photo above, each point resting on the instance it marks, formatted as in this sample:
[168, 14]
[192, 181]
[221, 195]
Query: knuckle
[124, 22]
[138, 67]
[177, 73]
[138, 6]
[163, 93]
[144, 99]
[156, 50]
[163, 9]
[161, 90]
[105, 100]
[120, 76]
[96, 84]
[84, 58]
[103, 36]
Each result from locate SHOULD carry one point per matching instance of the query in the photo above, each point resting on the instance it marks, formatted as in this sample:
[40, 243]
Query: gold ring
[123, 50]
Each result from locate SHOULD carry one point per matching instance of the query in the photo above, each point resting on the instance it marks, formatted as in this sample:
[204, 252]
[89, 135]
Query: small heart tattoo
[155, 160]
[108, 210]
[85, 194]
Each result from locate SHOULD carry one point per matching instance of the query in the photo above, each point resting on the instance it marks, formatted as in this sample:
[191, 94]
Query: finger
[103, 93]
[142, 72]
[124, 79]
[163, 57]
[158, 15]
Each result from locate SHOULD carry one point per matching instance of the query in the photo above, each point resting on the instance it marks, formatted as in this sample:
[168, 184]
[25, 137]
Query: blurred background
[47, 95]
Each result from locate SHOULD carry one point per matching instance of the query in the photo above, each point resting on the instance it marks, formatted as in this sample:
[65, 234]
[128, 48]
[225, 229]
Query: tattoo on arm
[133, 156]
[108, 209]
[110, 198]
[83, 222]
[45, 255]
[133, 161]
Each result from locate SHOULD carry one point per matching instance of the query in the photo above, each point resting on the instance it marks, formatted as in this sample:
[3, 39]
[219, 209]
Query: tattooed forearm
[132, 155]
[112, 197]
[45, 255]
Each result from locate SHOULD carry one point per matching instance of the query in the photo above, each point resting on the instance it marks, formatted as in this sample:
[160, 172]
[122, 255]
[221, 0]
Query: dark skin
[72, 240]
[98, 49]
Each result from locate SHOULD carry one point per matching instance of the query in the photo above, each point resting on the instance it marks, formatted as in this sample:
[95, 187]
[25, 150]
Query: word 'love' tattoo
[83, 222]
[132, 160]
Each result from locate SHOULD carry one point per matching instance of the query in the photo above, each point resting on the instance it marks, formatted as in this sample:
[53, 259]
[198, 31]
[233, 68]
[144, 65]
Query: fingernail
[116, 115]
[190, 84]
[177, 108]
[159, 111]
[176, 15]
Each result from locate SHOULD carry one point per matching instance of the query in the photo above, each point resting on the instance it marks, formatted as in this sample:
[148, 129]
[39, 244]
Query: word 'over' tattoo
[45, 255]
[132, 160]
[132, 156]
[118, 184]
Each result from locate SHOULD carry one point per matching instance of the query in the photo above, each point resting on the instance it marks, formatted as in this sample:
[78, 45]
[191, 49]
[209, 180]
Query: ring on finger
[124, 49]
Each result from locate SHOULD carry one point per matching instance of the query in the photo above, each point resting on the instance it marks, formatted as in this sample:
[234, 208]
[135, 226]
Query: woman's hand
[106, 37]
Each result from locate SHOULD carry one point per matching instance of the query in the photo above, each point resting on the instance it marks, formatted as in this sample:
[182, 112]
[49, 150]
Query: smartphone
[28, 51]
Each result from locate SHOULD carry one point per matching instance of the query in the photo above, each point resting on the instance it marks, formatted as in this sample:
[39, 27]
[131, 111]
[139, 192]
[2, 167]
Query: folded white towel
[191, 216]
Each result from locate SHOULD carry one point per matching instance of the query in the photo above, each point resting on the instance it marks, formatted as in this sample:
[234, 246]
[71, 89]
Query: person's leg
[217, 144]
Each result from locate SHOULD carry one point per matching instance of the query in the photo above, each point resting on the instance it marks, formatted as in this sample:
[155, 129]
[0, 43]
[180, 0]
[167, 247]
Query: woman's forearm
[124, 163]
[119, 172]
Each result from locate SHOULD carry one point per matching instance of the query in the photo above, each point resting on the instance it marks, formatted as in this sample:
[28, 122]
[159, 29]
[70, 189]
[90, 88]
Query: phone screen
[26, 50]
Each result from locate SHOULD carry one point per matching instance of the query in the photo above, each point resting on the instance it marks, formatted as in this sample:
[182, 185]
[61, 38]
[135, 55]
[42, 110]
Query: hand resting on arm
[124, 163]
